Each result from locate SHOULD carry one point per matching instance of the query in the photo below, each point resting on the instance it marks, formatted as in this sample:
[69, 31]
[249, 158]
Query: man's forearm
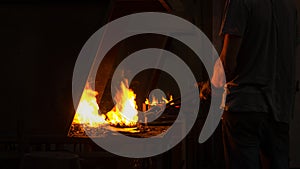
[229, 54]
[227, 60]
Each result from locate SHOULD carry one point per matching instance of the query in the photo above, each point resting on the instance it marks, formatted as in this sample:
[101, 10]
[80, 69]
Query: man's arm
[228, 58]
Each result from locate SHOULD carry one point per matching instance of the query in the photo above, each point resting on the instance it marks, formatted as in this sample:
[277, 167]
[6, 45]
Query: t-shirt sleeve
[235, 18]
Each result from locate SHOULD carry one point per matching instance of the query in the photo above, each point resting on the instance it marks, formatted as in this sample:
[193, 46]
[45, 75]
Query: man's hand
[205, 90]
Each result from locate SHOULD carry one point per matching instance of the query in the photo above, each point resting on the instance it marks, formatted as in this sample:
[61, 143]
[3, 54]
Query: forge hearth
[124, 117]
[139, 132]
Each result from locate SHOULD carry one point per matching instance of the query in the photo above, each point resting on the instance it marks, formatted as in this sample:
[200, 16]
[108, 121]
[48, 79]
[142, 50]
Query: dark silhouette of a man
[258, 55]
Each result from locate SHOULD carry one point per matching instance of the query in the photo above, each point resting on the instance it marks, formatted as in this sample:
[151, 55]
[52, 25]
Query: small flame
[147, 102]
[155, 101]
[168, 101]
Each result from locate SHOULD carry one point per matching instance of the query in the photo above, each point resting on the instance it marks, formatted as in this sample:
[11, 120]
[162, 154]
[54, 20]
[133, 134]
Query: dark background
[40, 42]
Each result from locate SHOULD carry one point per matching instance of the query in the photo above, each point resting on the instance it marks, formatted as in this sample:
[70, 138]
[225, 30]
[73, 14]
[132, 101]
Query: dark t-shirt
[265, 71]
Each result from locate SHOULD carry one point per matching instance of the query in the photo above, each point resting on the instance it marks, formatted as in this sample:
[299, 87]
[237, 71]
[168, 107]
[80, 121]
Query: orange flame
[125, 111]
[156, 101]
[168, 101]
[123, 114]
[87, 110]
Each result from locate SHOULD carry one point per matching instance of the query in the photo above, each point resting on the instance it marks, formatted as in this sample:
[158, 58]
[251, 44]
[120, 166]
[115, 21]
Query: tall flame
[87, 110]
[124, 112]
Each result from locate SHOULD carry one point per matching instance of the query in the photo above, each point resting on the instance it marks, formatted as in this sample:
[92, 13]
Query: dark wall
[295, 124]
[40, 42]
[39, 46]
